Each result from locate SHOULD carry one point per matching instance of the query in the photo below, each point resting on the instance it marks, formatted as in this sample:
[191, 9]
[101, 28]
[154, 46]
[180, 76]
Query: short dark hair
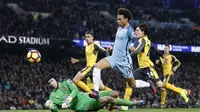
[144, 27]
[127, 13]
[89, 32]
[49, 76]
[167, 45]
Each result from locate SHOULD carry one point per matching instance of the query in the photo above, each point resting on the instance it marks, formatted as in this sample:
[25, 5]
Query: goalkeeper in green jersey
[66, 95]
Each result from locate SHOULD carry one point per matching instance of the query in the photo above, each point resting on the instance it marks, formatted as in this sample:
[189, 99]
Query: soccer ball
[33, 56]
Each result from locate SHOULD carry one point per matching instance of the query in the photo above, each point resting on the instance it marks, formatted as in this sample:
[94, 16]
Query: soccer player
[91, 51]
[120, 58]
[66, 95]
[146, 66]
[168, 67]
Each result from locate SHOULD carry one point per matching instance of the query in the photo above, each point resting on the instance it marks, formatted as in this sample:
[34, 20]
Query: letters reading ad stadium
[24, 40]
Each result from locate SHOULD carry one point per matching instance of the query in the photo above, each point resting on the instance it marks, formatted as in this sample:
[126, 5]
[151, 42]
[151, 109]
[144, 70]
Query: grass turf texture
[130, 110]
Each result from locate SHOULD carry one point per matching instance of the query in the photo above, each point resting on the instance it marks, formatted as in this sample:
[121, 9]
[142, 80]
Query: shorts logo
[150, 74]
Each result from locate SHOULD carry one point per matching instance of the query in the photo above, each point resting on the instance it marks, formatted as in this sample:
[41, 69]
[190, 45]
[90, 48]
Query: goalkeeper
[66, 95]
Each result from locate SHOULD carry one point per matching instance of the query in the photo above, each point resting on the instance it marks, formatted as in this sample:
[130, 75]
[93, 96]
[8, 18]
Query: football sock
[163, 96]
[141, 84]
[172, 87]
[96, 78]
[128, 93]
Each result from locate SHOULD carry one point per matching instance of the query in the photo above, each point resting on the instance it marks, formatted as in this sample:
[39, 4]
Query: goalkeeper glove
[49, 104]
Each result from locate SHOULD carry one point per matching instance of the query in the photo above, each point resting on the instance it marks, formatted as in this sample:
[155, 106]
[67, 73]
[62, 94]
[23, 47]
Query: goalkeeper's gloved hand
[49, 104]
[66, 102]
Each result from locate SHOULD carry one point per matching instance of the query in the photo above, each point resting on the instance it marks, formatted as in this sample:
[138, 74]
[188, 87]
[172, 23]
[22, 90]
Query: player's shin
[181, 91]
[128, 93]
[83, 86]
[163, 96]
[172, 87]
[96, 78]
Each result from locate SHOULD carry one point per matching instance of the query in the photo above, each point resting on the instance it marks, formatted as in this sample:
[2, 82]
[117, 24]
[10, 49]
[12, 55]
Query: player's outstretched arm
[74, 90]
[176, 62]
[158, 53]
[73, 93]
[139, 48]
[101, 49]
[51, 106]
[73, 60]
[82, 60]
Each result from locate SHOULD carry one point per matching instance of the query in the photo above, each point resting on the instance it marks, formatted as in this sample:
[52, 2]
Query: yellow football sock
[172, 87]
[89, 83]
[128, 93]
[163, 96]
[107, 88]
[83, 86]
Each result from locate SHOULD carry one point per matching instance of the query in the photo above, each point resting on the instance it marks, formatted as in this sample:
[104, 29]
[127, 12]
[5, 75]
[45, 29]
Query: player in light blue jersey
[120, 57]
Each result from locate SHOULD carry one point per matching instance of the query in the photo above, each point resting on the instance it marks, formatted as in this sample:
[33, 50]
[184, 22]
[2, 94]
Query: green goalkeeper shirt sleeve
[74, 90]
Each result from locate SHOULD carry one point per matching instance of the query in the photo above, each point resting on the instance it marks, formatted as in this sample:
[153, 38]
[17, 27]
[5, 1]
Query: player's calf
[78, 77]
[77, 80]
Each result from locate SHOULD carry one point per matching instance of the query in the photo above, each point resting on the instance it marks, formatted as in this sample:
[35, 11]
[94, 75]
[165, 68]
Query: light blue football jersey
[124, 38]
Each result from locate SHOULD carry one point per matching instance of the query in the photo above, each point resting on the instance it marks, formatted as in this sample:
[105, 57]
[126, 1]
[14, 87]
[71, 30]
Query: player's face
[53, 83]
[138, 32]
[166, 49]
[89, 38]
[121, 20]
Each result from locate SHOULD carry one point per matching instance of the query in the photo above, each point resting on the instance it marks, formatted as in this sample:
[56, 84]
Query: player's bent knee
[132, 83]
[78, 77]
[114, 94]
[99, 64]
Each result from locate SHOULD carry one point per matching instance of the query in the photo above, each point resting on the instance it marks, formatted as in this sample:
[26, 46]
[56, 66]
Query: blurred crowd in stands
[23, 86]
[70, 19]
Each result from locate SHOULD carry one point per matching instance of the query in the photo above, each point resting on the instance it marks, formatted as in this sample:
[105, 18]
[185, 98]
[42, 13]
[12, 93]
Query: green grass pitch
[130, 110]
